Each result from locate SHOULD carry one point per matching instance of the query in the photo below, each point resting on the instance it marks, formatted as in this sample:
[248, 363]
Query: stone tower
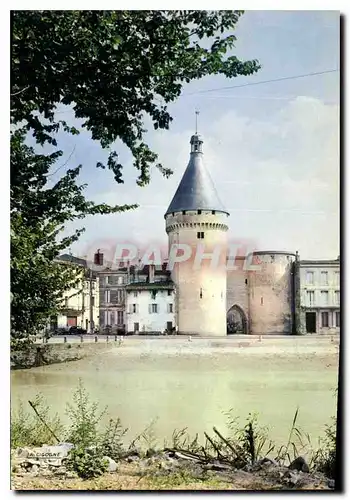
[271, 293]
[197, 218]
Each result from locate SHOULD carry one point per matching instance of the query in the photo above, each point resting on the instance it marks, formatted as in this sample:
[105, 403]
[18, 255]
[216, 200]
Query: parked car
[59, 331]
[77, 330]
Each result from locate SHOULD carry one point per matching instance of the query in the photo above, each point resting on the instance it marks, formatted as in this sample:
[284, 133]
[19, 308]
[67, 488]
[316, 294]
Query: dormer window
[199, 212]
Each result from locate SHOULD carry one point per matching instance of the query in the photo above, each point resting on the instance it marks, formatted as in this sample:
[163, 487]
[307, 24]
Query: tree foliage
[111, 67]
[114, 69]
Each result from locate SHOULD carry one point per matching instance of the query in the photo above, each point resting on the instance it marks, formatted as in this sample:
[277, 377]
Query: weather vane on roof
[197, 113]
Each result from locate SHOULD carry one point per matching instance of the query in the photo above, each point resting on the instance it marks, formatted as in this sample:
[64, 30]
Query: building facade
[80, 304]
[112, 298]
[150, 302]
[319, 296]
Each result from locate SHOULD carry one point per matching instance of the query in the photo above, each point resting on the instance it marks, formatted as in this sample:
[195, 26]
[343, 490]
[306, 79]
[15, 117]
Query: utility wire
[64, 164]
[264, 81]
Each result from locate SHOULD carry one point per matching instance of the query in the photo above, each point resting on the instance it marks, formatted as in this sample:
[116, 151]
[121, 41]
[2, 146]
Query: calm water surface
[193, 390]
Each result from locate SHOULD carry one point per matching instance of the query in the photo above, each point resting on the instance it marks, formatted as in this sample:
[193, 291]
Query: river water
[176, 383]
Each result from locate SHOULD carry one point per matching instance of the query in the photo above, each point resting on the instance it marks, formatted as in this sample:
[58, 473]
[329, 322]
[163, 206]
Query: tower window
[213, 212]
[199, 212]
[262, 301]
[184, 212]
[200, 293]
[246, 281]
[200, 235]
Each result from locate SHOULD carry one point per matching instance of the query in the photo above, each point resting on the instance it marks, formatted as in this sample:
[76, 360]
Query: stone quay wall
[48, 354]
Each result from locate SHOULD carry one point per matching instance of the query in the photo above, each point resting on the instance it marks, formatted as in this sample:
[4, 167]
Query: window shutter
[130, 308]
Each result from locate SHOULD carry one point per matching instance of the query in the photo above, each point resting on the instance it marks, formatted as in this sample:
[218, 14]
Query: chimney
[151, 273]
[98, 258]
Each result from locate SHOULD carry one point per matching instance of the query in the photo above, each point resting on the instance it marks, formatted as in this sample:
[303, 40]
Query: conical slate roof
[196, 190]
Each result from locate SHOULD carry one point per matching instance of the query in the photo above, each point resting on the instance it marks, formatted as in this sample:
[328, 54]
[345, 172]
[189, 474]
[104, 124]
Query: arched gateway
[236, 321]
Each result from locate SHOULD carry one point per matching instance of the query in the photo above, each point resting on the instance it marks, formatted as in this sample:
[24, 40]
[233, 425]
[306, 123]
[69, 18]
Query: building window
[199, 212]
[337, 277]
[120, 296]
[200, 293]
[153, 308]
[213, 212]
[337, 297]
[170, 308]
[120, 317]
[200, 235]
[310, 277]
[107, 280]
[337, 318]
[324, 278]
[310, 298]
[325, 319]
[92, 301]
[134, 308]
[107, 296]
[135, 294]
[136, 327]
[120, 280]
[153, 294]
[169, 293]
[324, 298]
[262, 301]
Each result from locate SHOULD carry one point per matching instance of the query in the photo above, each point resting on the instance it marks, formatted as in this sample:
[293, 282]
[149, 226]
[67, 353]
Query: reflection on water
[191, 391]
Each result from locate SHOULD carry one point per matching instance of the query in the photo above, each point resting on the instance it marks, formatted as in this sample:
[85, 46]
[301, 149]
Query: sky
[272, 150]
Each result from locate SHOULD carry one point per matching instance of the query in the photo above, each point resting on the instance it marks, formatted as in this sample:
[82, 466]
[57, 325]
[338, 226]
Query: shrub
[85, 418]
[111, 440]
[250, 442]
[87, 462]
[325, 456]
[27, 429]
[147, 439]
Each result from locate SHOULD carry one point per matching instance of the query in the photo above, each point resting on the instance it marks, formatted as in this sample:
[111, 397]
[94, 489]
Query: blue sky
[272, 149]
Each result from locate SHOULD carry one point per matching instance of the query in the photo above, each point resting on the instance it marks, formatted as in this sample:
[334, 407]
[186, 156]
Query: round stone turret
[196, 223]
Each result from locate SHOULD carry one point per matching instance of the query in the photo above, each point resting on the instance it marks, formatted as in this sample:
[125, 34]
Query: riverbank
[166, 471]
[36, 355]
[58, 350]
[89, 453]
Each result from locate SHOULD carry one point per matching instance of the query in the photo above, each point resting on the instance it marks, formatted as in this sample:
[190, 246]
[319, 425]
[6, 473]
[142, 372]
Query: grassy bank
[238, 449]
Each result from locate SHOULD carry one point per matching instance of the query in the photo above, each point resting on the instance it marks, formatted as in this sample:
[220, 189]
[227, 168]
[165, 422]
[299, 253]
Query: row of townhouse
[137, 299]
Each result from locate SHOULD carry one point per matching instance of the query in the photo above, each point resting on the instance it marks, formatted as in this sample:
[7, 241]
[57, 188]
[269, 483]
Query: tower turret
[197, 220]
